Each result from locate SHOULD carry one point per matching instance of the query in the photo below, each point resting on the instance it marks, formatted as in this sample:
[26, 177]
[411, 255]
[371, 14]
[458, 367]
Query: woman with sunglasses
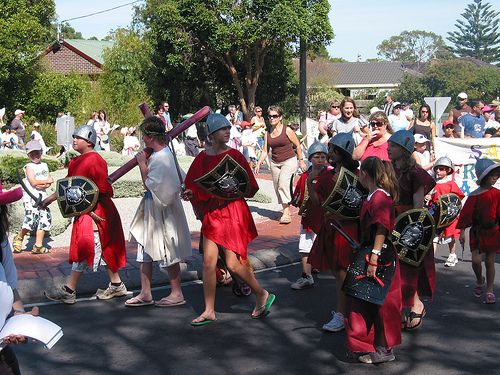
[327, 118]
[424, 125]
[283, 163]
[375, 143]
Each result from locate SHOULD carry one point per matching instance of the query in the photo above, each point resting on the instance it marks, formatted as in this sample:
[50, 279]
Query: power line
[102, 11]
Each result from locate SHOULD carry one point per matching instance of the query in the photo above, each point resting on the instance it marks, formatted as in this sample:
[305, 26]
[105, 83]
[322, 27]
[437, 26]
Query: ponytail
[382, 173]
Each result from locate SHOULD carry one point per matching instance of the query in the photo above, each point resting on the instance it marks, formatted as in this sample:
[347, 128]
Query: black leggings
[8, 362]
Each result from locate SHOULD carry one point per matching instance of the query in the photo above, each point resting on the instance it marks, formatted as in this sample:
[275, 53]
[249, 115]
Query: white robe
[160, 225]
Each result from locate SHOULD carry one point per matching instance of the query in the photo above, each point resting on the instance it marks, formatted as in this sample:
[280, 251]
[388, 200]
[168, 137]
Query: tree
[126, 68]
[238, 35]
[477, 34]
[415, 46]
[25, 24]
[65, 32]
[449, 77]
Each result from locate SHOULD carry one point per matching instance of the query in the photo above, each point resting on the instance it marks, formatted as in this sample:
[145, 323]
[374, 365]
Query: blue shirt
[473, 125]
[166, 116]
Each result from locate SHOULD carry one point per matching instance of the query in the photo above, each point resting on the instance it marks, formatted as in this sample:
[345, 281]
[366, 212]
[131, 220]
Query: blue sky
[359, 25]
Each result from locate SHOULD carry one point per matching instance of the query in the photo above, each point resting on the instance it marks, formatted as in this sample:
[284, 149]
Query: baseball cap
[420, 138]
[18, 111]
[36, 125]
[244, 124]
[462, 95]
[397, 104]
[447, 122]
[487, 109]
[33, 146]
[388, 94]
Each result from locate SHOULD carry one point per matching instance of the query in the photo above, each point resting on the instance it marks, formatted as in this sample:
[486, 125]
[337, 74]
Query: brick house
[83, 56]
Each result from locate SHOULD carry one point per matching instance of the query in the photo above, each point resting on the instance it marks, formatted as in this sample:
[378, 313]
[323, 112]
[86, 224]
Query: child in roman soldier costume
[217, 182]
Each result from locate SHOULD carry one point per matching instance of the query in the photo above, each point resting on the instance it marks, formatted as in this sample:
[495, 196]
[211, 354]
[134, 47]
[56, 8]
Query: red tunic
[93, 166]
[365, 320]
[482, 209]
[227, 223]
[419, 279]
[330, 249]
[313, 219]
[445, 188]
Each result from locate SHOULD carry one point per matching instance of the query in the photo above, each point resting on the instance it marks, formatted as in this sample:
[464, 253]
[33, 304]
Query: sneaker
[336, 324]
[451, 261]
[303, 281]
[61, 295]
[112, 291]
[381, 355]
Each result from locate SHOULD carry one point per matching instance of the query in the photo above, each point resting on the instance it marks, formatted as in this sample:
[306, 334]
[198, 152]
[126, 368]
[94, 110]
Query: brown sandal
[285, 219]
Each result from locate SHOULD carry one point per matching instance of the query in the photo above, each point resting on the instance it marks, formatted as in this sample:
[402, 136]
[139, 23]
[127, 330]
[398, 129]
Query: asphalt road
[460, 334]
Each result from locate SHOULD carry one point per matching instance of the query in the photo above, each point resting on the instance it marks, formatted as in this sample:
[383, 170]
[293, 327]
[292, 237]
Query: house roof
[93, 49]
[355, 74]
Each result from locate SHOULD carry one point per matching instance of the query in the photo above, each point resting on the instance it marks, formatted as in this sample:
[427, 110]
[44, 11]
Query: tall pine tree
[478, 34]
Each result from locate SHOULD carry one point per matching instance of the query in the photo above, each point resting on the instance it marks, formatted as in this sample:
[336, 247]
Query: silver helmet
[405, 139]
[343, 141]
[215, 122]
[444, 161]
[86, 132]
[315, 148]
[483, 167]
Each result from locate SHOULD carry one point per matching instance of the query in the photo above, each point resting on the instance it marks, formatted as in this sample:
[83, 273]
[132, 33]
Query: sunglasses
[449, 127]
[335, 106]
[442, 169]
[376, 123]
[274, 116]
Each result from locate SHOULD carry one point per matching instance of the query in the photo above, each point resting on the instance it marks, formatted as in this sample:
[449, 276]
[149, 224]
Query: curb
[31, 290]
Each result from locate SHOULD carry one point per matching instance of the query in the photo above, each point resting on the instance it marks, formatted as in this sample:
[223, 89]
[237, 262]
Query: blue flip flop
[204, 321]
[269, 302]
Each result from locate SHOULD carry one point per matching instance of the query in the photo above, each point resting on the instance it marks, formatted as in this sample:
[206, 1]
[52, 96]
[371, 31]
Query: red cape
[93, 166]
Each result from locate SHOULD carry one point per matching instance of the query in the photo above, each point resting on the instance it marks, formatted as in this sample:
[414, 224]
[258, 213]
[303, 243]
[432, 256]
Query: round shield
[413, 233]
[76, 195]
[373, 290]
[446, 210]
[346, 198]
[228, 180]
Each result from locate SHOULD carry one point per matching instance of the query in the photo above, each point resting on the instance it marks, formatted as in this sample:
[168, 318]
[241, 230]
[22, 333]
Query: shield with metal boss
[76, 195]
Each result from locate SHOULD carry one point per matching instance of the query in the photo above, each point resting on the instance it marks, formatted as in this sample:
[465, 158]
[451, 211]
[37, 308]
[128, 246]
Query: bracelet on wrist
[19, 312]
[376, 252]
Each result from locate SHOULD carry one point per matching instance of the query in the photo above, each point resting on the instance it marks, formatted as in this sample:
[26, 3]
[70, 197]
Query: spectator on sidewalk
[19, 126]
[283, 162]
[388, 105]
[36, 136]
[472, 124]
[397, 118]
[492, 127]
[166, 116]
[38, 180]
[192, 141]
[458, 112]
[327, 118]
